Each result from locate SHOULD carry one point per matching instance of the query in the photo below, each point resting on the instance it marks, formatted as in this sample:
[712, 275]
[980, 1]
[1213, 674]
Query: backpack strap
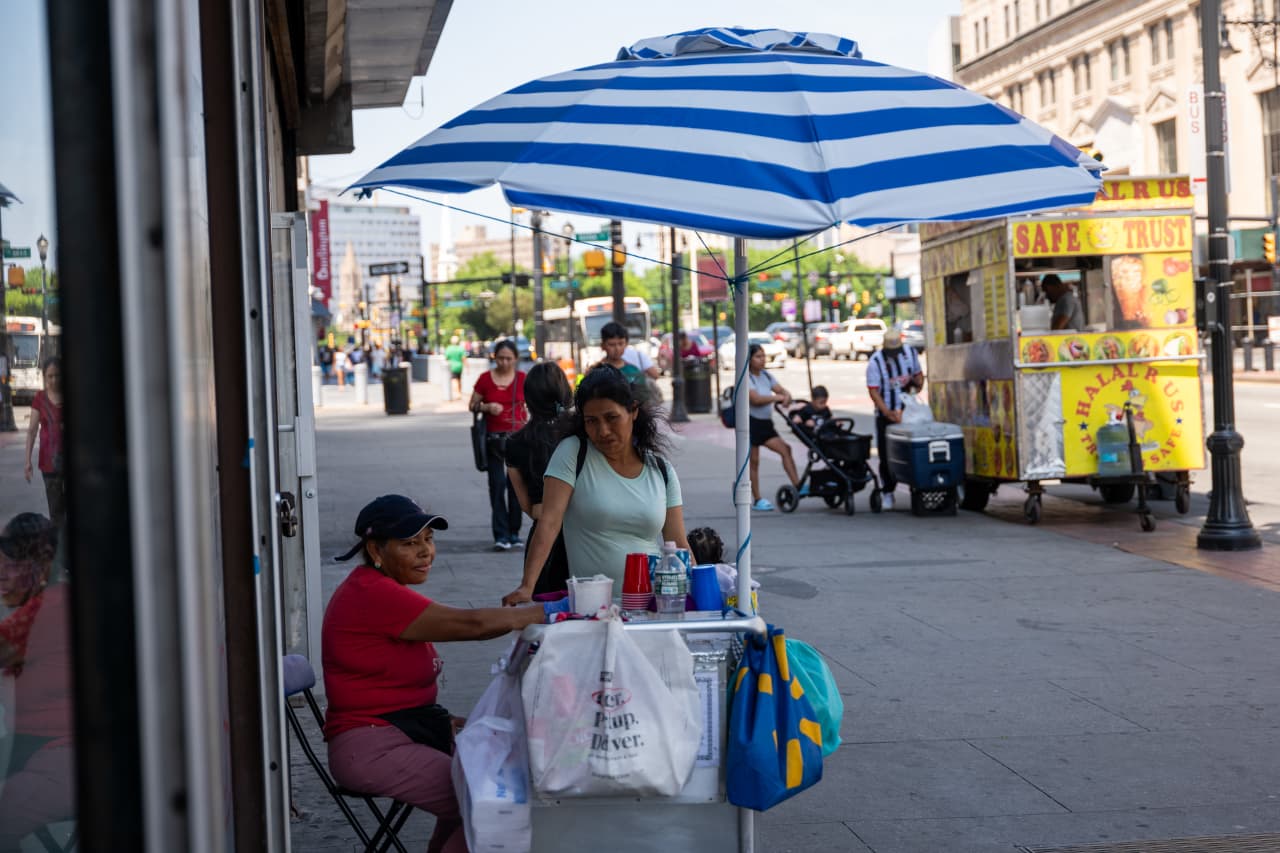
[582, 457]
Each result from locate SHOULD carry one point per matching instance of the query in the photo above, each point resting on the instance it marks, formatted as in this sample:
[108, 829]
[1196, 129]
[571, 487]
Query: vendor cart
[700, 817]
[1032, 400]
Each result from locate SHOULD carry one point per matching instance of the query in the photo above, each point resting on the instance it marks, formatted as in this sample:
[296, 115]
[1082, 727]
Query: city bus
[588, 317]
[30, 345]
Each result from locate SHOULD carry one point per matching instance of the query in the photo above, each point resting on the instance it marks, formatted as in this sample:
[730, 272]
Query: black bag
[479, 446]
[728, 416]
[429, 725]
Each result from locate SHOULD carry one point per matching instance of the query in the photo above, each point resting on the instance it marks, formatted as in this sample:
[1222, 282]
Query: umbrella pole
[742, 425]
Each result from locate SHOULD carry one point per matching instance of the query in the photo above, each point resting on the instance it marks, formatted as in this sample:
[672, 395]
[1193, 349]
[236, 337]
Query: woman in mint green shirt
[617, 497]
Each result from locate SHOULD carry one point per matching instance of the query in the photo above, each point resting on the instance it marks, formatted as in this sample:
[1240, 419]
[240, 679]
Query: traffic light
[619, 255]
[593, 259]
[1269, 246]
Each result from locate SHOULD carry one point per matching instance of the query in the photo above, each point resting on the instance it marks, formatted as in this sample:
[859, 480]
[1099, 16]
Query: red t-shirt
[511, 397]
[50, 415]
[368, 669]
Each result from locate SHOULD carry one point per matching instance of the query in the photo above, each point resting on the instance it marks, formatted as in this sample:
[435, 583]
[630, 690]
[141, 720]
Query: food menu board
[996, 301]
[1155, 290]
[1105, 346]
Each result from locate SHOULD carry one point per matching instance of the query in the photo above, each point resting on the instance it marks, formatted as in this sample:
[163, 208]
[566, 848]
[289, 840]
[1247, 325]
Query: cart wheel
[1182, 499]
[832, 501]
[788, 498]
[953, 501]
[1148, 523]
[876, 501]
[1031, 509]
[1117, 493]
[974, 495]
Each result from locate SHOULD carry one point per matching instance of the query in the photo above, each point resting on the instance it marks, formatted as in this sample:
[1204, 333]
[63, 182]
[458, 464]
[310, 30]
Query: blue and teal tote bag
[775, 741]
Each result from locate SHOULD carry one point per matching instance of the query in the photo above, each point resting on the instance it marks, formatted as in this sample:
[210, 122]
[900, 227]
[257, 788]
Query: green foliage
[26, 300]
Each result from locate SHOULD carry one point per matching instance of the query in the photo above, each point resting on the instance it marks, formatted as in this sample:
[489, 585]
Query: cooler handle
[939, 450]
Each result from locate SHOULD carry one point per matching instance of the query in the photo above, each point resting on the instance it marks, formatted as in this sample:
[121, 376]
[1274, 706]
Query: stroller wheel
[877, 502]
[848, 503]
[832, 501]
[788, 498]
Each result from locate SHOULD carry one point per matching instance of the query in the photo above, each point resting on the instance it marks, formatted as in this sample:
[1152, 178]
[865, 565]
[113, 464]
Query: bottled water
[670, 583]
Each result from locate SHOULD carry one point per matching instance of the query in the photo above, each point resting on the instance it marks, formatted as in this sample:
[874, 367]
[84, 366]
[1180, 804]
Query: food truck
[1033, 400]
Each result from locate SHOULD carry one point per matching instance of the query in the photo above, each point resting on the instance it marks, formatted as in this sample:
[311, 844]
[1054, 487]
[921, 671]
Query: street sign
[392, 268]
[789, 310]
[812, 310]
[561, 284]
[592, 236]
[458, 303]
[17, 251]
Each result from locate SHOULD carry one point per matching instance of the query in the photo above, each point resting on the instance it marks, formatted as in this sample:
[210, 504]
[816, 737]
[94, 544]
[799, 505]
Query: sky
[488, 47]
[476, 60]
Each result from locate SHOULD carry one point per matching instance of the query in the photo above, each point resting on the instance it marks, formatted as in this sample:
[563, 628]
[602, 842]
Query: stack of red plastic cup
[637, 589]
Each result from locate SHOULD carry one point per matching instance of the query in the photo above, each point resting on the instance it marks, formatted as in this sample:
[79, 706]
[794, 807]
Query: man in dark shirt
[1067, 313]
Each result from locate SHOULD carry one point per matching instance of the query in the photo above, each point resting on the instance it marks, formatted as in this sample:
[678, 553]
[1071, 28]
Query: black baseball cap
[392, 517]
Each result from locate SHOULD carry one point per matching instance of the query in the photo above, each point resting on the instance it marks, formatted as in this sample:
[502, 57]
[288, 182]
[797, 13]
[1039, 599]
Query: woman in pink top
[46, 421]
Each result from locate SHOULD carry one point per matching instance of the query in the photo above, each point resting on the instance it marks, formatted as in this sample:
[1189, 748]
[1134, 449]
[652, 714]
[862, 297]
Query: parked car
[700, 341]
[775, 352]
[789, 335]
[820, 334]
[859, 338]
[913, 334]
[722, 333]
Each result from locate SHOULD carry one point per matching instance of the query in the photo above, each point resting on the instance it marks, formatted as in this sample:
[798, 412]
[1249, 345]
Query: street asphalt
[1005, 686]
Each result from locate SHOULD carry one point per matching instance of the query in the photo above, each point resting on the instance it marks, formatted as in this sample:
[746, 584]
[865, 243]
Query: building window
[1037, 2]
[977, 42]
[1168, 39]
[1118, 51]
[1153, 35]
[1081, 75]
[986, 34]
[1047, 81]
[1048, 8]
[1271, 131]
[1017, 17]
[1006, 23]
[1167, 146]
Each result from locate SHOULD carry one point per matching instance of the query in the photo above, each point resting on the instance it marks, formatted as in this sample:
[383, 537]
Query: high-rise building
[361, 234]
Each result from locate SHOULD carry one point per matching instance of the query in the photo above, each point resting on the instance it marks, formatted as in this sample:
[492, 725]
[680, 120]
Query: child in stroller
[840, 452]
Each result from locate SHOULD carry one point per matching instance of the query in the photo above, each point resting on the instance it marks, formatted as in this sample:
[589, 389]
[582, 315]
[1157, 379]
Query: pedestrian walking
[499, 395]
[549, 398]
[892, 372]
[46, 423]
[340, 366]
[377, 360]
[763, 391]
[455, 355]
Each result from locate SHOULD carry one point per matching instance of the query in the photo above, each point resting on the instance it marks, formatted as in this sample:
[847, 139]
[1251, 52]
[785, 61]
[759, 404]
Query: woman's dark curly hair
[605, 382]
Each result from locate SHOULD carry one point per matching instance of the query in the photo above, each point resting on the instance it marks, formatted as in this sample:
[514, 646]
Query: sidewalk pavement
[1005, 686]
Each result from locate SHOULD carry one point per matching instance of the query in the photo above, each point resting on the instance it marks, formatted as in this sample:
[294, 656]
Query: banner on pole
[320, 272]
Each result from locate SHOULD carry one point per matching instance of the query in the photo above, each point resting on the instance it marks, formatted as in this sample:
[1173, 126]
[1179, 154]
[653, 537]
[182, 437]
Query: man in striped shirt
[892, 371]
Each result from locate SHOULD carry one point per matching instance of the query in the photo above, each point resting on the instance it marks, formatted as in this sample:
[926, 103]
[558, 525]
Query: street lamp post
[42, 246]
[570, 291]
[679, 411]
[1226, 526]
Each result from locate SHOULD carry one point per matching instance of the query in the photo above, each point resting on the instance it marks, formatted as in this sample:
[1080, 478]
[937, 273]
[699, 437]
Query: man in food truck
[892, 372]
[1067, 313]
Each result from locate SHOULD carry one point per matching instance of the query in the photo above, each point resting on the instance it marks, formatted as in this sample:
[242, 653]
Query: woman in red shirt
[386, 734]
[499, 395]
[46, 420]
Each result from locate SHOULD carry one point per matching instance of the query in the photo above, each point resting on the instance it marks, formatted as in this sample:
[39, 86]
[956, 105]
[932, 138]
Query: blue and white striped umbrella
[753, 133]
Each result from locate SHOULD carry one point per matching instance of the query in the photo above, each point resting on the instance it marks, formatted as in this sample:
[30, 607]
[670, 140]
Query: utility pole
[539, 329]
[619, 259]
[7, 423]
[679, 412]
[1227, 526]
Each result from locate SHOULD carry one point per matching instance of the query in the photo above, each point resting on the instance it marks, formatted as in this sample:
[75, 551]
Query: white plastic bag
[611, 713]
[914, 411]
[491, 772]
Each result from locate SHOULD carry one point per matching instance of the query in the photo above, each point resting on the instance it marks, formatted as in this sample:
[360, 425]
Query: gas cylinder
[1113, 448]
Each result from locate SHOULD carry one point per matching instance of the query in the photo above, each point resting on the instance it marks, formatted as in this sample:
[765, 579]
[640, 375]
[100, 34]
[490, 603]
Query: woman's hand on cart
[519, 595]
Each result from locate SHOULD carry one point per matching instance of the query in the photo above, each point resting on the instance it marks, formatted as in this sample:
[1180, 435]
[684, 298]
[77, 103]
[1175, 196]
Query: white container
[1035, 318]
[588, 595]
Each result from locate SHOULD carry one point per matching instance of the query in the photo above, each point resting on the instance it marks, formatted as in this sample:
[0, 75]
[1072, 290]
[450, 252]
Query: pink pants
[38, 794]
[384, 761]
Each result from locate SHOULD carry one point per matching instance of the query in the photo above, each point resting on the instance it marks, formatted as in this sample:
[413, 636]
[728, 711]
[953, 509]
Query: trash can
[395, 390]
[697, 386]
[420, 364]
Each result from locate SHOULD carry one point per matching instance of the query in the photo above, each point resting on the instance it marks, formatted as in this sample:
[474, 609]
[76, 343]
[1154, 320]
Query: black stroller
[843, 454]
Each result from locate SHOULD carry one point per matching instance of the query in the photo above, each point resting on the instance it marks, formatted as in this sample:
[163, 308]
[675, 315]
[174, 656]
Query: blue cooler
[928, 458]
